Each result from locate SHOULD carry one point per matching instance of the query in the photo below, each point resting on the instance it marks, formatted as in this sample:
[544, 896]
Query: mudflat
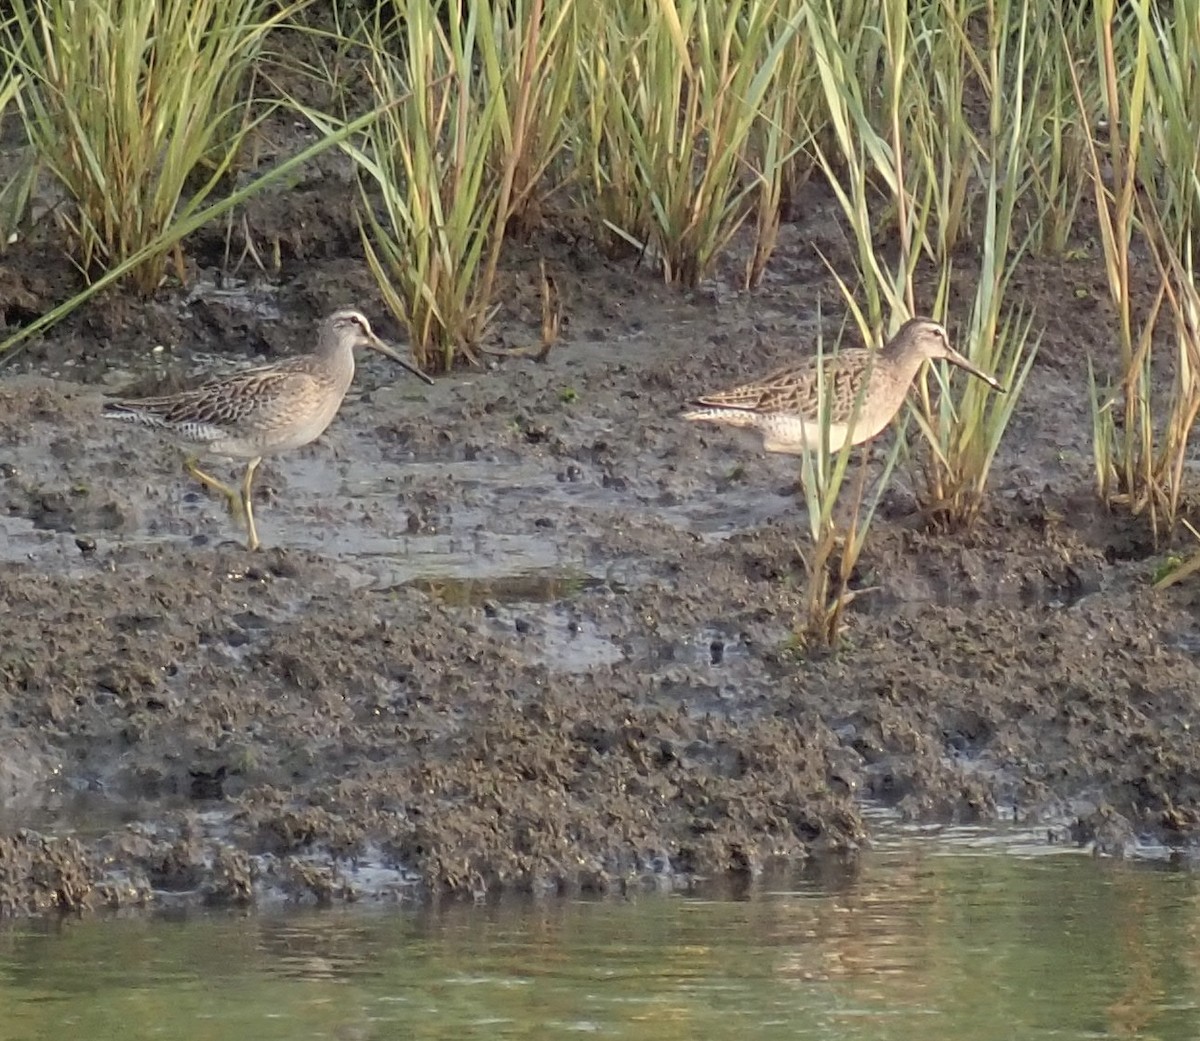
[527, 629]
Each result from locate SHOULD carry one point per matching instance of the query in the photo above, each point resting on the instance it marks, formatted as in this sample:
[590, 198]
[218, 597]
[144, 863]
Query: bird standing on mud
[867, 387]
[261, 411]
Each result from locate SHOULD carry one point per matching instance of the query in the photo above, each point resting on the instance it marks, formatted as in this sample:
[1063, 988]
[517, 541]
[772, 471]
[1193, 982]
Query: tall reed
[672, 94]
[138, 111]
[836, 539]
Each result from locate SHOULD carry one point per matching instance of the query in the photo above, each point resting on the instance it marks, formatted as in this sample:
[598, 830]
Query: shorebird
[261, 411]
[868, 389]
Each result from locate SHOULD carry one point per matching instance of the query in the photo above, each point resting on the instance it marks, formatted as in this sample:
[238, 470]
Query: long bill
[961, 361]
[396, 356]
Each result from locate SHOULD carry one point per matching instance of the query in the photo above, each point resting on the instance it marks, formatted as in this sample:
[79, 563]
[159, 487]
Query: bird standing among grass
[867, 389]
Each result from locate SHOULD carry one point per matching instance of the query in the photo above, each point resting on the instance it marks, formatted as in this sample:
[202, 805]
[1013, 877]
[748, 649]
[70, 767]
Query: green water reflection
[913, 946]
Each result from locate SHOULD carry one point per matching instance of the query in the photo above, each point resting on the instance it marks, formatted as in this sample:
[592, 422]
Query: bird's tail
[131, 412]
[731, 417]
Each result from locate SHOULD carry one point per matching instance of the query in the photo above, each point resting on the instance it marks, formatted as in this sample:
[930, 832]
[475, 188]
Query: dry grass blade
[551, 312]
[1167, 454]
[551, 323]
[1057, 151]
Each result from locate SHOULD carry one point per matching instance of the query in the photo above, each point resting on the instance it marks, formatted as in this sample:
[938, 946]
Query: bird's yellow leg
[247, 509]
[232, 497]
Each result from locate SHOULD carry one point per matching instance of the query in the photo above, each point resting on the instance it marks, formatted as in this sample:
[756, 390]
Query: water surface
[919, 942]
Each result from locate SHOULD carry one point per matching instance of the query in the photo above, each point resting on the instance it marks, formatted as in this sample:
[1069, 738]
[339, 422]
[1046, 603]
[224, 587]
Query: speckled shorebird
[785, 407]
[261, 411]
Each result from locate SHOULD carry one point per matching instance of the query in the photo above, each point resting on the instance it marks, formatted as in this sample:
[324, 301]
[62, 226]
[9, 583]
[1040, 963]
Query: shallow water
[924, 940]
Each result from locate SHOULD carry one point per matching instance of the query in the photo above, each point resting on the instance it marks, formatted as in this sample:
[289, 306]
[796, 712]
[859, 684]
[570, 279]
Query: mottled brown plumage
[261, 411]
[866, 389]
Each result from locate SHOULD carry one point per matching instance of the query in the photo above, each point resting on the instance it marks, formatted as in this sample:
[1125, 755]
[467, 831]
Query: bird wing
[758, 395]
[794, 387]
[231, 401]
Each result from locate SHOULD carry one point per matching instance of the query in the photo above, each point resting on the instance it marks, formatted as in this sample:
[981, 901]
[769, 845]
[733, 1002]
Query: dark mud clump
[39, 874]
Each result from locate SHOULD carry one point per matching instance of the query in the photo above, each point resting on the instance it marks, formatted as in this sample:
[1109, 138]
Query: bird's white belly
[795, 436]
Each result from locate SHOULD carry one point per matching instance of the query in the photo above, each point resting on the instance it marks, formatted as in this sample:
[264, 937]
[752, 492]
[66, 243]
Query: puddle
[548, 587]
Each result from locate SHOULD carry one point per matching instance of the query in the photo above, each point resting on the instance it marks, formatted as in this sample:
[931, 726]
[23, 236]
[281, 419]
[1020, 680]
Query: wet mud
[526, 630]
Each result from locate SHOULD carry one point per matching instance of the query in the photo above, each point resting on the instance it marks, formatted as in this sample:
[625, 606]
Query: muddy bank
[527, 630]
